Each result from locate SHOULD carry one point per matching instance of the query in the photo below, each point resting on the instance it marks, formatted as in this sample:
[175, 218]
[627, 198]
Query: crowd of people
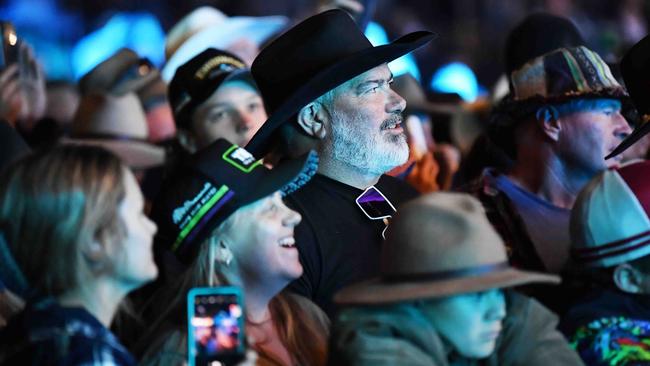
[297, 168]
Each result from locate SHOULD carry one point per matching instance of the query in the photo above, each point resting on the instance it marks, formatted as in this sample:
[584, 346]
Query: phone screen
[216, 326]
[10, 44]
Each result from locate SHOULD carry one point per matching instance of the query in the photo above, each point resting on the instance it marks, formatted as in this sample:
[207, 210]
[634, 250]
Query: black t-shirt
[338, 244]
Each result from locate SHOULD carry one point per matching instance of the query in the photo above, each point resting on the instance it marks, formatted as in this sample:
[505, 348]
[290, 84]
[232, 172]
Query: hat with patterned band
[610, 221]
[559, 76]
[216, 181]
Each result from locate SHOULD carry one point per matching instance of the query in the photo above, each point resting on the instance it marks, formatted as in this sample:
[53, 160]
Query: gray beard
[371, 152]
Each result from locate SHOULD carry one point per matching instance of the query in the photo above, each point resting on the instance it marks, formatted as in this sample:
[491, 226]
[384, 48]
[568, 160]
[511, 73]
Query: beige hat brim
[376, 291]
[135, 154]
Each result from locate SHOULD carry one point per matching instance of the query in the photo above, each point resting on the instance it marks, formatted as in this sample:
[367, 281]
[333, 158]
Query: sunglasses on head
[376, 206]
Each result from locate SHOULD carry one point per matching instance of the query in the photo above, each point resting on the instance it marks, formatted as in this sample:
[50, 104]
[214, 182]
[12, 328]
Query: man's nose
[396, 103]
[245, 121]
[621, 127]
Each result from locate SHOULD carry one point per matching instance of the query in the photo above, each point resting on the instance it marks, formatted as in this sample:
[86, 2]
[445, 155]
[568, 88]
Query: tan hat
[118, 124]
[207, 27]
[122, 72]
[438, 245]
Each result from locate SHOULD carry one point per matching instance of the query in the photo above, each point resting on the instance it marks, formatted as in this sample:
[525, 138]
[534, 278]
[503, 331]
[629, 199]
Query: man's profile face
[589, 135]
[365, 128]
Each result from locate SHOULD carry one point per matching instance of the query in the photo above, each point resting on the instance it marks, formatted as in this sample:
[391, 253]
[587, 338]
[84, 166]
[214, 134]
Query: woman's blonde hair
[292, 318]
[53, 204]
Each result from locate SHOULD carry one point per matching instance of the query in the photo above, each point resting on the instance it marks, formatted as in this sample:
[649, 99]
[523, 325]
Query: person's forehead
[381, 72]
[231, 92]
[238, 85]
[587, 105]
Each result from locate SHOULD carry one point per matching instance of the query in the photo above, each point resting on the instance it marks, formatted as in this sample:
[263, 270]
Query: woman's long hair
[52, 204]
[303, 331]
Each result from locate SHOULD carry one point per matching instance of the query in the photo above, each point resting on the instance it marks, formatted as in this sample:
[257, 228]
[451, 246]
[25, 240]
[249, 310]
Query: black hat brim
[331, 77]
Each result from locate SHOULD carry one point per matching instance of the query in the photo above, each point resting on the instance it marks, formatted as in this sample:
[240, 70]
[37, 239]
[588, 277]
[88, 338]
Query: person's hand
[448, 160]
[10, 304]
[424, 174]
[32, 88]
[250, 358]
[11, 101]
[22, 90]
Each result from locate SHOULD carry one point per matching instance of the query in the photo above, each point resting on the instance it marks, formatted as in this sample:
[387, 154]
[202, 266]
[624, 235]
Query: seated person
[74, 224]
[214, 96]
[223, 222]
[609, 323]
[440, 299]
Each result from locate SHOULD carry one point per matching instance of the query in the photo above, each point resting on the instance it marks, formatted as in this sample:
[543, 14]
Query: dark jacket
[398, 334]
[45, 333]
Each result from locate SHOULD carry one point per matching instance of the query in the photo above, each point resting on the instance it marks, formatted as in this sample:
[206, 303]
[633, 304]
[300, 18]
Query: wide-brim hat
[312, 58]
[124, 71]
[438, 245]
[610, 220]
[635, 70]
[211, 185]
[117, 123]
[560, 76]
[220, 34]
[536, 35]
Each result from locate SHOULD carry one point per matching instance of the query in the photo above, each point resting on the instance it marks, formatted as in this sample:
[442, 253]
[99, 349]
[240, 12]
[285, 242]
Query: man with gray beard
[327, 88]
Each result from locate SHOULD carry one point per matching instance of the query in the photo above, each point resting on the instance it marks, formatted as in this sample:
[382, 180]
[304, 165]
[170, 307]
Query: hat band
[110, 136]
[204, 214]
[447, 275]
[611, 249]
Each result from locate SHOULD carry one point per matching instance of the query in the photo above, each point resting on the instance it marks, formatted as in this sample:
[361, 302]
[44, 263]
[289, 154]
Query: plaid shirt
[46, 333]
[508, 223]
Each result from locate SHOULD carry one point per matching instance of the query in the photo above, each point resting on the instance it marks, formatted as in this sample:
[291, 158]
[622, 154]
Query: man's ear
[628, 279]
[312, 119]
[548, 119]
[187, 140]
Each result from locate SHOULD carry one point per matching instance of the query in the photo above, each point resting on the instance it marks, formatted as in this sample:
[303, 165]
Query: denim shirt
[46, 333]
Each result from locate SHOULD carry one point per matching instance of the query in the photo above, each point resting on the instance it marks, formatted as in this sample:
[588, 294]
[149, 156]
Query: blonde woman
[223, 220]
[74, 224]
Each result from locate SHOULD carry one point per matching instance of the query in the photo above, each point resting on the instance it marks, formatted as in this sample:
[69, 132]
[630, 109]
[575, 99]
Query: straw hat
[438, 245]
[208, 27]
[118, 124]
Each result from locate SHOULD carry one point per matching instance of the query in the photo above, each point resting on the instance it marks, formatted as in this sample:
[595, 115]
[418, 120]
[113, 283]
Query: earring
[224, 255]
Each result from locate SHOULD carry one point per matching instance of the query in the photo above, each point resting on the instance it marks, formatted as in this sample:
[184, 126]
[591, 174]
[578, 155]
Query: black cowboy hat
[536, 35]
[635, 69]
[312, 58]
